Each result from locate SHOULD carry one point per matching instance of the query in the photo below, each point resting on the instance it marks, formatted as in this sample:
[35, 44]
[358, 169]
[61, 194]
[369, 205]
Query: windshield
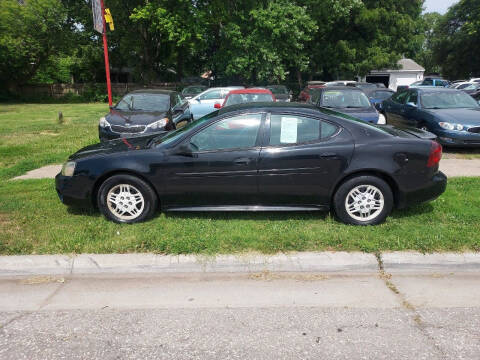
[278, 90]
[234, 99]
[174, 135]
[447, 100]
[144, 102]
[345, 99]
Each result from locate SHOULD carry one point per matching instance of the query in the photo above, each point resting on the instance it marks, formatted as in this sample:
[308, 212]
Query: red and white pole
[105, 52]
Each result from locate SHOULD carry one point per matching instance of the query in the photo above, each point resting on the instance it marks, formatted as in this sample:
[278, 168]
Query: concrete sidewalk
[288, 306]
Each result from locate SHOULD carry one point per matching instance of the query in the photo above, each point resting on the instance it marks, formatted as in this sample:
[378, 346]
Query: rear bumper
[432, 190]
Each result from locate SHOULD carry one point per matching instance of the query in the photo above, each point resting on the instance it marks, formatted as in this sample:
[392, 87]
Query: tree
[457, 37]
[30, 33]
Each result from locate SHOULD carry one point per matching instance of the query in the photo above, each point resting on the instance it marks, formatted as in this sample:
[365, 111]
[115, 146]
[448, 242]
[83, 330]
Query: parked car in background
[281, 92]
[347, 100]
[451, 114]
[309, 159]
[144, 111]
[192, 90]
[377, 96]
[243, 96]
[304, 95]
[432, 82]
[474, 80]
[460, 85]
[203, 103]
[340, 83]
[363, 85]
[473, 89]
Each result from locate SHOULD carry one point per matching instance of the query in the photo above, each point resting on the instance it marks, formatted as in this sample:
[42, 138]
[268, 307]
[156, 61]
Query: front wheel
[126, 199]
[363, 200]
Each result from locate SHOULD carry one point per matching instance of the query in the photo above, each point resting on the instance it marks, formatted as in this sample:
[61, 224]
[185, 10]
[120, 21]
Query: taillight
[435, 154]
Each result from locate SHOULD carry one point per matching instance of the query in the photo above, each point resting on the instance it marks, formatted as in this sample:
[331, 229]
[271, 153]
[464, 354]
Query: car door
[393, 108]
[302, 158]
[221, 169]
[409, 112]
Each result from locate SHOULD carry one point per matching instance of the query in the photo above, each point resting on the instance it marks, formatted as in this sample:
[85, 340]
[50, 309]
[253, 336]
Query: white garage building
[407, 73]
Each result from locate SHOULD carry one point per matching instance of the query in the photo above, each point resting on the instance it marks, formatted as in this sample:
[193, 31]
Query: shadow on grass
[250, 215]
[72, 210]
[413, 211]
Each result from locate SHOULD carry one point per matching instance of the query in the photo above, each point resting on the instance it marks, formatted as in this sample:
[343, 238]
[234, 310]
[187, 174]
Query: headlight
[449, 126]
[158, 124]
[381, 119]
[103, 122]
[68, 168]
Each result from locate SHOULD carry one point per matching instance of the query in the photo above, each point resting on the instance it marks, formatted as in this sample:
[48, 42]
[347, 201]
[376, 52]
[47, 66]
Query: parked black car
[450, 114]
[144, 111]
[259, 157]
[378, 95]
[347, 100]
[192, 90]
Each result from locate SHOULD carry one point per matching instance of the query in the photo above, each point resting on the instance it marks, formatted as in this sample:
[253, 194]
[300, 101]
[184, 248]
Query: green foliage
[30, 33]
[457, 37]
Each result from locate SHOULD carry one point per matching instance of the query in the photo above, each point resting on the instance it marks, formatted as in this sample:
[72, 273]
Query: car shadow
[83, 211]
[412, 211]
[249, 215]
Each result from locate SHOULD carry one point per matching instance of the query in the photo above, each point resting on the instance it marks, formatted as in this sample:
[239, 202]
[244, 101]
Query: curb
[408, 262]
[152, 263]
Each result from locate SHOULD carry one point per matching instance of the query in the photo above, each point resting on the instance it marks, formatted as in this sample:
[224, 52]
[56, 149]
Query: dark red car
[242, 96]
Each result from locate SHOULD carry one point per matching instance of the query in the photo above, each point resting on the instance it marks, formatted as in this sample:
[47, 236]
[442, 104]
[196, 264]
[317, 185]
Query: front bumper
[105, 134]
[458, 138]
[432, 190]
[74, 190]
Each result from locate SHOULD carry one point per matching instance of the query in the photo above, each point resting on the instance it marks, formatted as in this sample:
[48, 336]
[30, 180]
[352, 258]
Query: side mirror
[411, 104]
[217, 106]
[184, 150]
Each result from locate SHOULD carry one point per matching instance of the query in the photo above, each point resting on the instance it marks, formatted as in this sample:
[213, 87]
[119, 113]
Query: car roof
[153, 91]
[351, 88]
[435, 89]
[250, 91]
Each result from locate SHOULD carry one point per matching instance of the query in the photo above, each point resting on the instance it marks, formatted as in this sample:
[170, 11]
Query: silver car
[204, 103]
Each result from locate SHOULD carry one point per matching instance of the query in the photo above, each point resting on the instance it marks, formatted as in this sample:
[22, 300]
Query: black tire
[135, 185]
[361, 182]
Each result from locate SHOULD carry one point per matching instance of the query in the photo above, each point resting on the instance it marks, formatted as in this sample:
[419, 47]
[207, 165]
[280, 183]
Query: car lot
[34, 221]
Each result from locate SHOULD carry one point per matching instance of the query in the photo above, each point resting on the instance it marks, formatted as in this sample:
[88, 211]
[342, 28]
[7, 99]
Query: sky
[440, 6]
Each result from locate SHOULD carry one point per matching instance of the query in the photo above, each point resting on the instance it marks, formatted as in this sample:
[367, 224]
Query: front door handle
[242, 161]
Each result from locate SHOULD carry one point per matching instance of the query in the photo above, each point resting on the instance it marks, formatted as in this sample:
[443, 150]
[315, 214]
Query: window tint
[400, 97]
[292, 129]
[428, 82]
[145, 102]
[239, 132]
[214, 94]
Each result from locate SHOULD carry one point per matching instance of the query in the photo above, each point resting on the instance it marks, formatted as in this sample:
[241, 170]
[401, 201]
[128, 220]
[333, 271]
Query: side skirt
[249, 208]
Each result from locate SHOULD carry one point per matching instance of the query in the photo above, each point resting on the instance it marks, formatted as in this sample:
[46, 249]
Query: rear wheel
[363, 200]
[126, 199]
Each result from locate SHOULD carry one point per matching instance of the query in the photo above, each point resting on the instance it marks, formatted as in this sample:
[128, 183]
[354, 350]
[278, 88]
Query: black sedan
[259, 157]
[144, 111]
[450, 114]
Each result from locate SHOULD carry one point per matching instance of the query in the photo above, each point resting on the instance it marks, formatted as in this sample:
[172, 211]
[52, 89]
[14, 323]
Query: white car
[474, 80]
[204, 103]
[340, 83]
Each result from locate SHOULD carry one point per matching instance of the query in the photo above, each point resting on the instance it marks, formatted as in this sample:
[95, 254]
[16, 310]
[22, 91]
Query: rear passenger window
[291, 129]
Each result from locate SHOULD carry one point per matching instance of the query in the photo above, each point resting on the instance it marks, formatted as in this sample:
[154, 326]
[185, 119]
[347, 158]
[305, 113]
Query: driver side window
[238, 132]
[412, 98]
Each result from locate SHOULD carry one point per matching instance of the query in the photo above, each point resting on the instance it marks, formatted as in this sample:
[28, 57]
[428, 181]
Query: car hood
[116, 146]
[116, 117]
[457, 116]
[368, 114]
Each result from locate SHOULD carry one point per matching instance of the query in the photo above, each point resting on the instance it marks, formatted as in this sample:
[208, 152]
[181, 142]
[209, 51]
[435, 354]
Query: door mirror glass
[185, 149]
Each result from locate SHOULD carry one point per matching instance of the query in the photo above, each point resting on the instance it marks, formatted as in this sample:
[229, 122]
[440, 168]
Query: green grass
[31, 137]
[33, 221]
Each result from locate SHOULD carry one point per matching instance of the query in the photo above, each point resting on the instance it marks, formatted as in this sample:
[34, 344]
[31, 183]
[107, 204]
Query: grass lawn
[32, 219]
[31, 137]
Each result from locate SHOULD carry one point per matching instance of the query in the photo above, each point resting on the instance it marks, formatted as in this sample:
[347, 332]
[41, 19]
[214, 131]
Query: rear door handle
[242, 161]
